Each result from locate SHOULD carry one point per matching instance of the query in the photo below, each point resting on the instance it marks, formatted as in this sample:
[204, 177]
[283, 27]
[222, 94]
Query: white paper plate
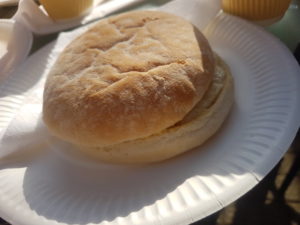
[49, 190]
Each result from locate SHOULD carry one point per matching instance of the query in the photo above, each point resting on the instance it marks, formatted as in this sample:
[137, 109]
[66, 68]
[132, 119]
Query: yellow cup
[66, 9]
[257, 10]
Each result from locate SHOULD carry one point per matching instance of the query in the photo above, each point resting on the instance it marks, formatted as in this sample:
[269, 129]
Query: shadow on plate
[65, 191]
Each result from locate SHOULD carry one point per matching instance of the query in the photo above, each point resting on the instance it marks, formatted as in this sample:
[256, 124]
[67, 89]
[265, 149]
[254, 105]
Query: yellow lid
[256, 9]
[66, 9]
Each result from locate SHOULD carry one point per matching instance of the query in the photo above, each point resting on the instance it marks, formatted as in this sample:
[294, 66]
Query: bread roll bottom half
[138, 87]
[205, 119]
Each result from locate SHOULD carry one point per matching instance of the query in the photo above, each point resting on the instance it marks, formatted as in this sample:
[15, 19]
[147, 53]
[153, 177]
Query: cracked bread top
[127, 77]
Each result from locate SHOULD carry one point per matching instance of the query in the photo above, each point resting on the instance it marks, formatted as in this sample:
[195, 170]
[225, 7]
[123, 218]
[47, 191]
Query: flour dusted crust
[198, 126]
[128, 77]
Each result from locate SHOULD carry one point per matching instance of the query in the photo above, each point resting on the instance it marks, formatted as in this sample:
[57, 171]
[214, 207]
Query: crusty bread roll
[139, 87]
[196, 127]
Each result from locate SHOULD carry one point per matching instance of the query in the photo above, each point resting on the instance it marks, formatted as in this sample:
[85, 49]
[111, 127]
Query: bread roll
[199, 125]
[131, 84]
[127, 77]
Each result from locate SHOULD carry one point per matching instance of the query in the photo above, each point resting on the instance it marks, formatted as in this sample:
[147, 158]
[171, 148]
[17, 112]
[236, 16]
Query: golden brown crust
[128, 77]
[199, 125]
